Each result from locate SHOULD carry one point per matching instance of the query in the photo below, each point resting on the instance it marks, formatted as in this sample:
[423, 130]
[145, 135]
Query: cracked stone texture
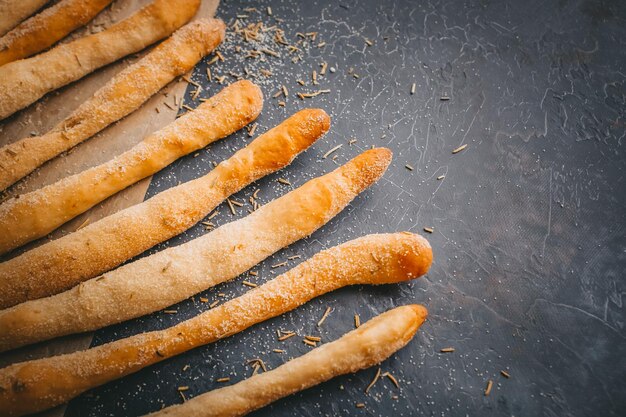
[528, 237]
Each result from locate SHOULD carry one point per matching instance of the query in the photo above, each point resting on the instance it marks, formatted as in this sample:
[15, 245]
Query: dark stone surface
[529, 240]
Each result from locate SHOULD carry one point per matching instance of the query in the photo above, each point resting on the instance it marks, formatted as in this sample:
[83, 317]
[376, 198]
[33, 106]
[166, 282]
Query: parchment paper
[117, 138]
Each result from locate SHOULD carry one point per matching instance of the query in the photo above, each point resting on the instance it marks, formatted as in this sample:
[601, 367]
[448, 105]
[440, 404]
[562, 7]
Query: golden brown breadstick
[155, 282]
[35, 214]
[45, 29]
[12, 12]
[376, 259]
[25, 81]
[122, 95]
[366, 346]
[62, 263]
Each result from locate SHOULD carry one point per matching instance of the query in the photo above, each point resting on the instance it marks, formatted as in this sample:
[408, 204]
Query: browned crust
[375, 259]
[12, 12]
[172, 275]
[35, 214]
[60, 264]
[366, 346]
[122, 95]
[25, 81]
[46, 28]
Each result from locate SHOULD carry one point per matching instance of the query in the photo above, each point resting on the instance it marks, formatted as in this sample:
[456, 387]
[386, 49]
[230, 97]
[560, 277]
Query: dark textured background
[529, 242]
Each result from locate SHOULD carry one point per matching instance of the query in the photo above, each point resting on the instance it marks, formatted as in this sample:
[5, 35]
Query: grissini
[122, 95]
[376, 259]
[62, 263]
[25, 81]
[172, 275]
[46, 28]
[35, 214]
[12, 12]
[361, 348]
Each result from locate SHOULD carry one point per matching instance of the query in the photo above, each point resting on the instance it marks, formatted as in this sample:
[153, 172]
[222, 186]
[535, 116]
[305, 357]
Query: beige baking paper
[117, 138]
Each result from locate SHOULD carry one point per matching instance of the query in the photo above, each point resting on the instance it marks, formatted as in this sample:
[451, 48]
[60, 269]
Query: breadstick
[376, 259]
[172, 275]
[103, 245]
[122, 95]
[12, 12]
[45, 29]
[25, 81]
[37, 213]
[361, 348]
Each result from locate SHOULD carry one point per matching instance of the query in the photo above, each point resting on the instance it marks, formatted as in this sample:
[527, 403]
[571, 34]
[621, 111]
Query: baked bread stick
[25, 81]
[12, 12]
[362, 348]
[35, 214]
[172, 275]
[62, 263]
[122, 95]
[46, 28]
[376, 259]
